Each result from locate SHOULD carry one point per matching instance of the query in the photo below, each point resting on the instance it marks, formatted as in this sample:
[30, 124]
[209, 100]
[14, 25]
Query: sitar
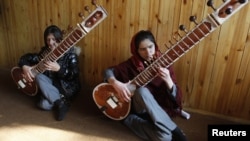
[106, 97]
[81, 30]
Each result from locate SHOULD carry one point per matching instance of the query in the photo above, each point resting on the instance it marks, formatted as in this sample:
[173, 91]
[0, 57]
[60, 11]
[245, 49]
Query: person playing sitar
[60, 82]
[154, 104]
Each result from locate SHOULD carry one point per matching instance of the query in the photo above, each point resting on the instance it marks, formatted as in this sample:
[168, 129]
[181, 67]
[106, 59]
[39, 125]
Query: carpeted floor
[21, 120]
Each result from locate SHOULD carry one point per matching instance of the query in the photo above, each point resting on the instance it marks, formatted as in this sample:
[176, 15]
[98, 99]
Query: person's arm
[173, 91]
[165, 75]
[26, 62]
[108, 73]
[28, 59]
[121, 88]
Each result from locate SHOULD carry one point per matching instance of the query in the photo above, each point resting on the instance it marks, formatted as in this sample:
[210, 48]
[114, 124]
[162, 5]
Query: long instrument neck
[182, 46]
[177, 50]
[69, 41]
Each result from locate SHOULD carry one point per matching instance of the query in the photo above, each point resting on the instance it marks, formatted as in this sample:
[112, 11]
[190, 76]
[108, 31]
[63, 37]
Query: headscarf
[136, 59]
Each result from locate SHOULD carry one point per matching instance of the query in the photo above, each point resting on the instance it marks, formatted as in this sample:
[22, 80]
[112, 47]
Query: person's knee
[142, 93]
[141, 90]
[38, 78]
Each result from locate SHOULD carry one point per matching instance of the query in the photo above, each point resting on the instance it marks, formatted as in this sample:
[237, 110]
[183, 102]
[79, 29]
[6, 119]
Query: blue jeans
[159, 125]
[49, 92]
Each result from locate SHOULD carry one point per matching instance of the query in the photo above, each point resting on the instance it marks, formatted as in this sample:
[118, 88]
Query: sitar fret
[175, 52]
[162, 63]
[148, 74]
[53, 56]
[168, 57]
[166, 60]
[190, 40]
[58, 51]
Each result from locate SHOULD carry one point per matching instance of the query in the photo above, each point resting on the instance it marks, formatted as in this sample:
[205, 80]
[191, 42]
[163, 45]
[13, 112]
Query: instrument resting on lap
[107, 99]
[82, 29]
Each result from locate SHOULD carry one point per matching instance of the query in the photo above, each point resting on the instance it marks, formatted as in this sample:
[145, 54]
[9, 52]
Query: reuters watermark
[233, 131]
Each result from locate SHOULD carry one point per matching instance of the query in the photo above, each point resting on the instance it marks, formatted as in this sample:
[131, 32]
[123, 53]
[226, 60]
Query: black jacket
[67, 78]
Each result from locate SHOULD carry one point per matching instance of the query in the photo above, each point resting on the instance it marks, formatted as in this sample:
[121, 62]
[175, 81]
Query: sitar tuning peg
[166, 46]
[193, 19]
[179, 34]
[174, 37]
[87, 9]
[94, 3]
[64, 32]
[242, 1]
[70, 27]
[81, 15]
[183, 28]
[171, 42]
[229, 10]
[211, 4]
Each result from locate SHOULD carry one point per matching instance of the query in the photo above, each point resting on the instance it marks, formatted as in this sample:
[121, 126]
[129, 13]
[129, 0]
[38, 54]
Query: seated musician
[59, 83]
[154, 104]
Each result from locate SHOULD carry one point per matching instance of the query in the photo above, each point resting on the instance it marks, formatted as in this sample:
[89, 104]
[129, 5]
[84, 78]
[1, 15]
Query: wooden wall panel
[214, 76]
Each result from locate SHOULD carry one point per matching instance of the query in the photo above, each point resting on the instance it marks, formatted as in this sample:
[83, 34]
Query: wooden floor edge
[233, 119]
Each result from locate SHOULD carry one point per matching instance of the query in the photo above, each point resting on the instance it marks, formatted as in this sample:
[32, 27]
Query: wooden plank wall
[214, 76]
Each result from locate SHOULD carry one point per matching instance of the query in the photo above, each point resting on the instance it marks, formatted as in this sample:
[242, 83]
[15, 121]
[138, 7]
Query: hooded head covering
[134, 45]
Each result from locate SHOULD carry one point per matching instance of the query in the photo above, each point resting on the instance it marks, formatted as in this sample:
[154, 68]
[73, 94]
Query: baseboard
[238, 120]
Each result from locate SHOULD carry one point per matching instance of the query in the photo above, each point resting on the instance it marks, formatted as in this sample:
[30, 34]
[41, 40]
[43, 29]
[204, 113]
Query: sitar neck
[82, 29]
[76, 35]
[177, 50]
[193, 37]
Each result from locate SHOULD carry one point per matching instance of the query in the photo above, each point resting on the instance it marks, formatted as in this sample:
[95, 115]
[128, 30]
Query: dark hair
[142, 35]
[56, 31]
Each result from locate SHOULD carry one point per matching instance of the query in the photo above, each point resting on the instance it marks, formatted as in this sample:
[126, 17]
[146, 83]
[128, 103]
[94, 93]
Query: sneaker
[61, 108]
